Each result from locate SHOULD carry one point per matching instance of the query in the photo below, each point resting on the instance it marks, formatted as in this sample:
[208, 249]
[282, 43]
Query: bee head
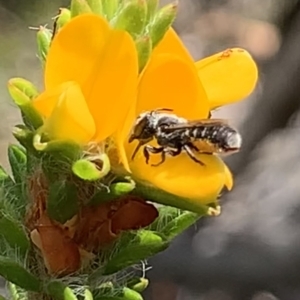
[144, 128]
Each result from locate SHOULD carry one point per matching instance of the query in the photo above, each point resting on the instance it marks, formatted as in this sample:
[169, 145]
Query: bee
[174, 135]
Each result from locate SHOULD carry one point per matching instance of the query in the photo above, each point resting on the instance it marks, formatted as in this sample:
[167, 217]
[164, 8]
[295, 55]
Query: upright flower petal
[70, 118]
[172, 44]
[183, 177]
[227, 76]
[102, 61]
[171, 82]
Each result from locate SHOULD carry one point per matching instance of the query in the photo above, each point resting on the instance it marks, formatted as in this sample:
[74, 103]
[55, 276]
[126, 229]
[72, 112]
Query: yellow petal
[228, 179]
[45, 102]
[102, 61]
[171, 82]
[182, 176]
[113, 90]
[70, 118]
[227, 76]
[172, 44]
[121, 138]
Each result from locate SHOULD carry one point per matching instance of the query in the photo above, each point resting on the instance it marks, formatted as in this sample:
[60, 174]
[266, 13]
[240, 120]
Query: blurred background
[251, 251]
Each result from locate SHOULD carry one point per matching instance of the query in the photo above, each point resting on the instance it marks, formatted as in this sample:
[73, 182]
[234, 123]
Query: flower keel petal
[70, 118]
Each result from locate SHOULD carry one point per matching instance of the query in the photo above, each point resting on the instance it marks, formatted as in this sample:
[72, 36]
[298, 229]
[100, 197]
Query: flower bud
[79, 7]
[24, 136]
[89, 170]
[144, 47]
[113, 192]
[129, 294]
[64, 150]
[109, 8]
[138, 284]
[132, 17]
[162, 22]
[63, 18]
[22, 92]
[44, 37]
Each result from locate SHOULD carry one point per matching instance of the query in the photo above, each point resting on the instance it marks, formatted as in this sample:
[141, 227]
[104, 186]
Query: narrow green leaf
[96, 6]
[132, 17]
[162, 22]
[14, 234]
[12, 201]
[147, 244]
[62, 202]
[109, 8]
[18, 162]
[144, 48]
[152, 6]
[179, 224]
[17, 274]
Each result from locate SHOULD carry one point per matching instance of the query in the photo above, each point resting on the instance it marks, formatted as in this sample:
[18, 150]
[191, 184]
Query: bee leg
[167, 151]
[150, 149]
[193, 147]
[192, 155]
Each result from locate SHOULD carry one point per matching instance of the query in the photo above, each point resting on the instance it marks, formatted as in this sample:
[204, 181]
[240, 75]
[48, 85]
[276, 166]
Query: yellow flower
[173, 80]
[93, 91]
[91, 77]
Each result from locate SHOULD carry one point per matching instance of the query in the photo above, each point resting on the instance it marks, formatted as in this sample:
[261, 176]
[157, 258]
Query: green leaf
[162, 21]
[17, 274]
[14, 234]
[147, 244]
[96, 6]
[144, 48]
[152, 6]
[18, 163]
[62, 202]
[132, 17]
[12, 202]
[114, 192]
[179, 224]
[109, 8]
[79, 7]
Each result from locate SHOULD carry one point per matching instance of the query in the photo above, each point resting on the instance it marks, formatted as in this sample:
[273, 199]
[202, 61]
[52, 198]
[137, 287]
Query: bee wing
[195, 123]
